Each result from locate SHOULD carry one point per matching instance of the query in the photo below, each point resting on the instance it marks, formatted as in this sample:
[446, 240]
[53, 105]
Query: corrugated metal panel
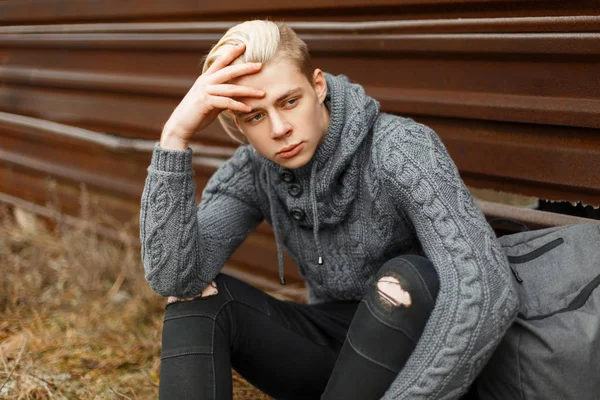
[510, 86]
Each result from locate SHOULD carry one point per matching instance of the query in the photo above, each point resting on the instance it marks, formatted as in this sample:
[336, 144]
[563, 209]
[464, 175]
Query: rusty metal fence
[512, 88]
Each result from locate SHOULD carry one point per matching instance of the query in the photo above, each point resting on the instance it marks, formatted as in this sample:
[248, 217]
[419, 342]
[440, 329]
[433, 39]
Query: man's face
[290, 121]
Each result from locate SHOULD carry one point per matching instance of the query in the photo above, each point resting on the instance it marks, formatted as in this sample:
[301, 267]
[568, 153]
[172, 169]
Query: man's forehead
[273, 73]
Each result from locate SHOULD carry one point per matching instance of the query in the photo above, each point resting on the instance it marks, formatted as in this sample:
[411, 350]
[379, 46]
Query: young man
[408, 290]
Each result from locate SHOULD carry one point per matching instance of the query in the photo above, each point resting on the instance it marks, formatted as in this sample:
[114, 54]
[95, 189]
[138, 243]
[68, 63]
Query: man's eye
[291, 102]
[255, 118]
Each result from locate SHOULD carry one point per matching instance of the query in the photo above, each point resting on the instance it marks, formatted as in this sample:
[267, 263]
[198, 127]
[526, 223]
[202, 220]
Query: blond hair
[265, 41]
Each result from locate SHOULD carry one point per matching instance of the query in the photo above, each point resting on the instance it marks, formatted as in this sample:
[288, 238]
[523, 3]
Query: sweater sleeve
[477, 300]
[185, 245]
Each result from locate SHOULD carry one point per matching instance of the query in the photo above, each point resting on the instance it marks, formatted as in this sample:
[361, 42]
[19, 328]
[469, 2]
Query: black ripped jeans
[330, 351]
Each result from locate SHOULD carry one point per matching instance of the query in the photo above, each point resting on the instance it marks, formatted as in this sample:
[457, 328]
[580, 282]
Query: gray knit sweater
[377, 187]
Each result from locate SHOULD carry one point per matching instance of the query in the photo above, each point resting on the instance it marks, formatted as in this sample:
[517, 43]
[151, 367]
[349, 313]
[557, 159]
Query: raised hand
[208, 97]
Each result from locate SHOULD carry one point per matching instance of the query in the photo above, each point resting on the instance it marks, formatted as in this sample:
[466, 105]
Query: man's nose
[279, 127]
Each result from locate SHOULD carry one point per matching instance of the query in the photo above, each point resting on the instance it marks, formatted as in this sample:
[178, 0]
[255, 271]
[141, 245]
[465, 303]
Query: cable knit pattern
[384, 186]
[477, 300]
[185, 246]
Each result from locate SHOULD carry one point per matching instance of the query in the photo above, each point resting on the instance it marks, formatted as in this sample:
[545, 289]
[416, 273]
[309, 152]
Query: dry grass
[77, 319]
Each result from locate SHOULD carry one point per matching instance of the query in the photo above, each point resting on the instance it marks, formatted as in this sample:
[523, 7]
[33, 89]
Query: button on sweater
[378, 186]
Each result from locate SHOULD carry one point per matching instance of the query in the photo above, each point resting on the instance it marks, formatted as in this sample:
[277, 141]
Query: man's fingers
[210, 290]
[234, 91]
[226, 58]
[173, 299]
[226, 103]
[234, 71]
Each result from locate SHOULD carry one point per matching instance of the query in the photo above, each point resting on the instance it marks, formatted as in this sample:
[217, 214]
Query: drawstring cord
[313, 201]
[315, 211]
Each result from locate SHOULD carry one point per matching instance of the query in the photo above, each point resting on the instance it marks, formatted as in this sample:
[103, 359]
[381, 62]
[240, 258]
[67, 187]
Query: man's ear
[320, 84]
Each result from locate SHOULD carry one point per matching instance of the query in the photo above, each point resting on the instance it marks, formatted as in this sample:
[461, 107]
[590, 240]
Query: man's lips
[288, 148]
[291, 150]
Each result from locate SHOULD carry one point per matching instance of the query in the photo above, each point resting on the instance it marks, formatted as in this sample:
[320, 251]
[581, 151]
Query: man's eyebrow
[288, 93]
[296, 90]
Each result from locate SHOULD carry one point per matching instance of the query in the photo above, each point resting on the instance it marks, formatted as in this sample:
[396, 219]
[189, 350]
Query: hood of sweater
[334, 170]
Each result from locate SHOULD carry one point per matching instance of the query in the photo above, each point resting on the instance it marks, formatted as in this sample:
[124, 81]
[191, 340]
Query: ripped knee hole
[390, 291]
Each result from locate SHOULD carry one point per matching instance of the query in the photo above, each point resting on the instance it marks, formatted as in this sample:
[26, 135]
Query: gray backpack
[552, 351]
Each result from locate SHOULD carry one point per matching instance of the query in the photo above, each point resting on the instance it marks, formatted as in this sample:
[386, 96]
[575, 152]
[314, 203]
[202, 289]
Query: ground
[77, 319]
